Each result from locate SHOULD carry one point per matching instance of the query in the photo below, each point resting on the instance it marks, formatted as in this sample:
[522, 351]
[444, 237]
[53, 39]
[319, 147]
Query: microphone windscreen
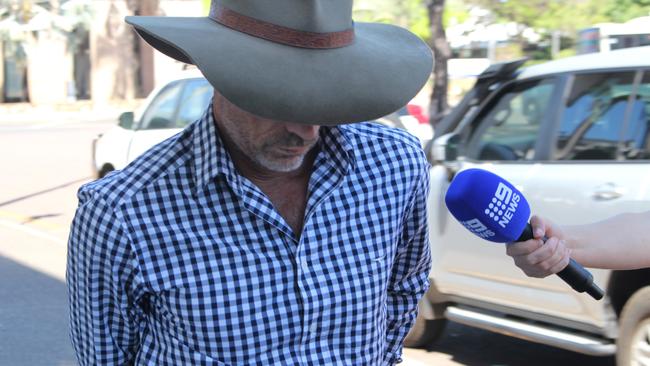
[488, 205]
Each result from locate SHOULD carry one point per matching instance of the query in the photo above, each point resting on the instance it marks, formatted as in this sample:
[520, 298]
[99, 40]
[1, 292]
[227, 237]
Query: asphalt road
[42, 165]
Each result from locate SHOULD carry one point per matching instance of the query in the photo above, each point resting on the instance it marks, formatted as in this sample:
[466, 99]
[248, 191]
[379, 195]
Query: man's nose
[306, 132]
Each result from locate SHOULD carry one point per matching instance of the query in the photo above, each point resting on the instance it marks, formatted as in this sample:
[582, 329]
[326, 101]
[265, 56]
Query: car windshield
[195, 99]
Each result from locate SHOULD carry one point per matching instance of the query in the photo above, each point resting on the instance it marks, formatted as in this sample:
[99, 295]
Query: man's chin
[282, 164]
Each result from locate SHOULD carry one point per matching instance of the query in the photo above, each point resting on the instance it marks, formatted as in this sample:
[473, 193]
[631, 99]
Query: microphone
[493, 209]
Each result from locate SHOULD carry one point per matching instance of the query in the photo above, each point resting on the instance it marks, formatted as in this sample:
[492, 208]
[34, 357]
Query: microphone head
[488, 205]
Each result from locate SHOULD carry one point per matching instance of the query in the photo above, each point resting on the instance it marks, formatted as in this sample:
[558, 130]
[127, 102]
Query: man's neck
[287, 191]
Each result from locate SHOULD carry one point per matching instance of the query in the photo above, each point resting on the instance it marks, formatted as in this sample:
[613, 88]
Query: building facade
[62, 51]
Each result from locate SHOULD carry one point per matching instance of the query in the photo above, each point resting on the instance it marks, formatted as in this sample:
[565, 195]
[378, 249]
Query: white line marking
[409, 362]
[34, 232]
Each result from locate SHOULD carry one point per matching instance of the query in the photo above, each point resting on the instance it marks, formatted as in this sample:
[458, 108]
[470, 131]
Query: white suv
[573, 136]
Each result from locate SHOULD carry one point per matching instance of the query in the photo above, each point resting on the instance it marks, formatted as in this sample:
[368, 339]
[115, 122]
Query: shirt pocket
[372, 269]
[374, 264]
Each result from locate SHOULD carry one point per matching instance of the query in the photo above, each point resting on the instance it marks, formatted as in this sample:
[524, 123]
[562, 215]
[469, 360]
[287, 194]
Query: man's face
[276, 146]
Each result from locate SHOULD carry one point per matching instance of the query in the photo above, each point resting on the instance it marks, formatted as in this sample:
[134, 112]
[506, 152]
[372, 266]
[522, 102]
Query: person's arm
[103, 287]
[619, 242]
[410, 275]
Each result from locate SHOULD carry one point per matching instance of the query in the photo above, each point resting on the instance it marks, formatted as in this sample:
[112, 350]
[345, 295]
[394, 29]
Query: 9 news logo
[503, 206]
[477, 227]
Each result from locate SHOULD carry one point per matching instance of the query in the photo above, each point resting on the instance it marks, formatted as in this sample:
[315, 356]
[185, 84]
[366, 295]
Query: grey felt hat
[301, 61]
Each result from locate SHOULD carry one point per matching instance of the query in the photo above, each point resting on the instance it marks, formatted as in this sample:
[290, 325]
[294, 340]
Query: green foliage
[567, 16]
[568, 52]
[623, 10]
[410, 14]
[456, 12]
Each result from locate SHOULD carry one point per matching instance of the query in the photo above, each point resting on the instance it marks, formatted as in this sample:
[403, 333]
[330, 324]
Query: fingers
[539, 226]
[537, 259]
[557, 258]
[523, 248]
[562, 262]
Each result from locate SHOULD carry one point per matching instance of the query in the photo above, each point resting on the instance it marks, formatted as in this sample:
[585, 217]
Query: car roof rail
[501, 70]
[494, 74]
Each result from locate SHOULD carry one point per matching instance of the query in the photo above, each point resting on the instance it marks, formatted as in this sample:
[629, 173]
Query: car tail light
[417, 112]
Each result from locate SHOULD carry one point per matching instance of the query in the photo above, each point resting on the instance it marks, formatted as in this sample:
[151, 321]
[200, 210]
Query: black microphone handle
[574, 274]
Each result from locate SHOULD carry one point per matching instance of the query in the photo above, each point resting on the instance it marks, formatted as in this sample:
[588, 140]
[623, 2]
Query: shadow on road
[14, 200]
[477, 347]
[33, 318]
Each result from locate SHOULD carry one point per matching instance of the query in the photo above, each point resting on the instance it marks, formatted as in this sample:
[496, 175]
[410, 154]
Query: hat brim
[381, 71]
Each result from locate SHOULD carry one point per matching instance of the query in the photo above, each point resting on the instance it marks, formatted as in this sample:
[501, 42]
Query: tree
[425, 19]
[441, 52]
[565, 16]
[623, 10]
[409, 14]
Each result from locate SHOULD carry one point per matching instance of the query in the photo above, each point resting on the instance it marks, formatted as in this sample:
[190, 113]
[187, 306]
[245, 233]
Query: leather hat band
[277, 33]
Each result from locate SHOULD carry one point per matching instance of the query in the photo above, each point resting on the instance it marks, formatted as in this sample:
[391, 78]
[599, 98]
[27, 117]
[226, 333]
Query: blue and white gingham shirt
[180, 260]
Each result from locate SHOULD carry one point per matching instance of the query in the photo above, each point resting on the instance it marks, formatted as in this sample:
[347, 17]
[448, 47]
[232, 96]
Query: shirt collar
[212, 159]
[210, 156]
[335, 147]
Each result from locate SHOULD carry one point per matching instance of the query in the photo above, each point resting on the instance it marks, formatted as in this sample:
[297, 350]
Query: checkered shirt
[180, 260]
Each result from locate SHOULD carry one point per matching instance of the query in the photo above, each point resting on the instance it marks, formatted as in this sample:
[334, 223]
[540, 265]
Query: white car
[164, 113]
[573, 135]
[181, 101]
[411, 118]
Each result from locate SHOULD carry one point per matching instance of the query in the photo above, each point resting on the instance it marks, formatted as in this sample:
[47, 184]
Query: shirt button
[303, 264]
[313, 328]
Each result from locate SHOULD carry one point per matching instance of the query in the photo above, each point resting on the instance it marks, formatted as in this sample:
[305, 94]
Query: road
[43, 165]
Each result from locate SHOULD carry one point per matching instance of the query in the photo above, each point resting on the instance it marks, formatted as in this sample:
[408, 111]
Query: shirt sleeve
[410, 275]
[103, 287]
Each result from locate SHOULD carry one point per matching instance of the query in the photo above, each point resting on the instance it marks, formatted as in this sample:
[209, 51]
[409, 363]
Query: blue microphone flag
[488, 205]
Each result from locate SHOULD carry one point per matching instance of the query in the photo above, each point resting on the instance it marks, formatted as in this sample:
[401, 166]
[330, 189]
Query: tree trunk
[441, 53]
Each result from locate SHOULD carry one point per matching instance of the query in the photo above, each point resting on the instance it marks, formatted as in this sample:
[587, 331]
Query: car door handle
[607, 191]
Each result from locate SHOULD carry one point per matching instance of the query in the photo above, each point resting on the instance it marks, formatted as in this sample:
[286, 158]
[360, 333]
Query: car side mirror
[126, 120]
[445, 148]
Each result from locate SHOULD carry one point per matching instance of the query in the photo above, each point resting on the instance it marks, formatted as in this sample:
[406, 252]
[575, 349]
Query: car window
[636, 142]
[196, 96]
[162, 110]
[593, 117]
[508, 130]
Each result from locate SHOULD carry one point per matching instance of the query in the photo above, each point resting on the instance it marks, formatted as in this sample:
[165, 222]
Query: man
[268, 232]
[618, 242]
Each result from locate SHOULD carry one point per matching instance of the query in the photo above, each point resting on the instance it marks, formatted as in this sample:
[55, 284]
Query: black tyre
[424, 332]
[634, 338]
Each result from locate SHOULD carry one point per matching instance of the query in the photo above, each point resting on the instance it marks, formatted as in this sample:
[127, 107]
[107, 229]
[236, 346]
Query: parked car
[573, 136]
[166, 111]
[412, 118]
[179, 102]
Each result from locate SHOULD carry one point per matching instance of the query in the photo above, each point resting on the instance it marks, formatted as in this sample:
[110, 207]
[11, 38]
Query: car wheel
[424, 332]
[634, 339]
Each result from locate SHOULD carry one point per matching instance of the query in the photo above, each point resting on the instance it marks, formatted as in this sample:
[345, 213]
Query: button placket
[301, 270]
[304, 265]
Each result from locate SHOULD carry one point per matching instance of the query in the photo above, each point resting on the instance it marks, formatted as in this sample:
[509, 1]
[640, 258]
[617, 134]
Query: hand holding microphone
[544, 255]
[493, 209]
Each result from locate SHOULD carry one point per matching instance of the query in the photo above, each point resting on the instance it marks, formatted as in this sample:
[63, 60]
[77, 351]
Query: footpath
[78, 111]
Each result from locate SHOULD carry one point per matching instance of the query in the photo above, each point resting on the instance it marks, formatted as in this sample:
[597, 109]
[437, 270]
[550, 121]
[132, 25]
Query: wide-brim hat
[301, 61]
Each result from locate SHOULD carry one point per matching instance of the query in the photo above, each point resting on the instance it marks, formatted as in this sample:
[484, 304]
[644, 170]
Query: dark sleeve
[410, 275]
[104, 287]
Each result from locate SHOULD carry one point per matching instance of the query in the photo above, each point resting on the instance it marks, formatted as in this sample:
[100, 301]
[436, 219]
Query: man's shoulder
[376, 133]
[372, 138]
[149, 169]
